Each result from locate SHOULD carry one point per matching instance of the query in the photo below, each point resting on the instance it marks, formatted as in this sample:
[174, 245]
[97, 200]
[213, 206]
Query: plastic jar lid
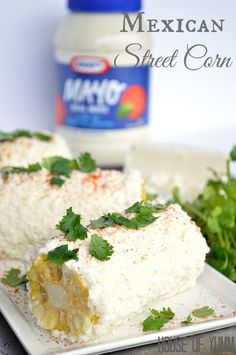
[104, 5]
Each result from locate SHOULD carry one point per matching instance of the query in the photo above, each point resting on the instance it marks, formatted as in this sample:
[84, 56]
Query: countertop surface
[221, 341]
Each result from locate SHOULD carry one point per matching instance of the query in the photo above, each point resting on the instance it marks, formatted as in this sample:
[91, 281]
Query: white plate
[212, 289]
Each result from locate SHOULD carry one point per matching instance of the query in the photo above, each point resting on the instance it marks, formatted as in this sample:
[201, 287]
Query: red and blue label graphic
[92, 94]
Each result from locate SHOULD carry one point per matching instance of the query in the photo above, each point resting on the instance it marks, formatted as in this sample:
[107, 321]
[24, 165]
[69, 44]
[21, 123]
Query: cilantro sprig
[71, 226]
[112, 219]
[14, 278]
[100, 248]
[144, 216]
[62, 254]
[187, 321]
[61, 168]
[145, 208]
[157, 319]
[214, 211]
[86, 163]
[12, 136]
[203, 312]
[32, 168]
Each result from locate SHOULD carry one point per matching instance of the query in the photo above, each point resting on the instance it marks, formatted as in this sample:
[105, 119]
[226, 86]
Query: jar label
[92, 94]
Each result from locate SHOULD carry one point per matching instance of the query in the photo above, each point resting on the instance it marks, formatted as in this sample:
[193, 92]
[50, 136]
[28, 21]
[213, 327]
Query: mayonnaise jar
[100, 107]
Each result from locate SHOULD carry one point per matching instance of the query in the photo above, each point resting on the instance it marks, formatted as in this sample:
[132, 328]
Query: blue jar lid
[108, 6]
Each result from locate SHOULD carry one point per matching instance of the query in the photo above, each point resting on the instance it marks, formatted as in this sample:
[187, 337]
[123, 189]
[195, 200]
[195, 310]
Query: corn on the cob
[25, 151]
[30, 207]
[89, 297]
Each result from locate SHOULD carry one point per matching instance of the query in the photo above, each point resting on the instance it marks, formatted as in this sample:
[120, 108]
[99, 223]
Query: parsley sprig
[158, 319]
[71, 226]
[14, 278]
[214, 211]
[12, 136]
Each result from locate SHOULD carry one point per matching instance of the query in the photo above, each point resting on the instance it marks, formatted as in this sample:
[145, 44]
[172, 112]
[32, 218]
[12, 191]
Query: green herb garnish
[214, 211]
[100, 248]
[103, 222]
[14, 279]
[187, 321]
[58, 181]
[10, 137]
[71, 226]
[140, 221]
[32, 168]
[203, 312]
[145, 208]
[157, 319]
[60, 166]
[42, 136]
[86, 163]
[233, 154]
[62, 254]
[112, 219]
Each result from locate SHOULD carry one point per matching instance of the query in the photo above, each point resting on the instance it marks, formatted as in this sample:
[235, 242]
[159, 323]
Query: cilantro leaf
[14, 279]
[111, 219]
[6, 137]
[59, 166]
[141, 207]
[187, 321]
[11, 136]
[233, 154]
[71, 226]
[100, 248]
[32, 168]
[57, 181]
[203, 312]
[145, 208]
[103, 222]
[144, 216]
[152, 323]
[42, 136]
[214, 211]
[140, 221]
[62, 254]
[158, 319]
[86, 163]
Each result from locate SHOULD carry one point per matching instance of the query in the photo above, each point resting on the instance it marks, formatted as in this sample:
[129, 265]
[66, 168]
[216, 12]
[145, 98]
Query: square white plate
[212, 289]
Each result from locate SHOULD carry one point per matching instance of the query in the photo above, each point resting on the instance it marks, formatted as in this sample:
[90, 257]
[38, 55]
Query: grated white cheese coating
[148, 265]
[30, 207]
[25, 151]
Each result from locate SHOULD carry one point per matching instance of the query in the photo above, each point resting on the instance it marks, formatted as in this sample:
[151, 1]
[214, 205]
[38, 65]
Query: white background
[188, 107]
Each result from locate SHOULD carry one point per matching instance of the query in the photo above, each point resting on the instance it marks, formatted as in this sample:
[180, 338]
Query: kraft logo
[90, 65]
